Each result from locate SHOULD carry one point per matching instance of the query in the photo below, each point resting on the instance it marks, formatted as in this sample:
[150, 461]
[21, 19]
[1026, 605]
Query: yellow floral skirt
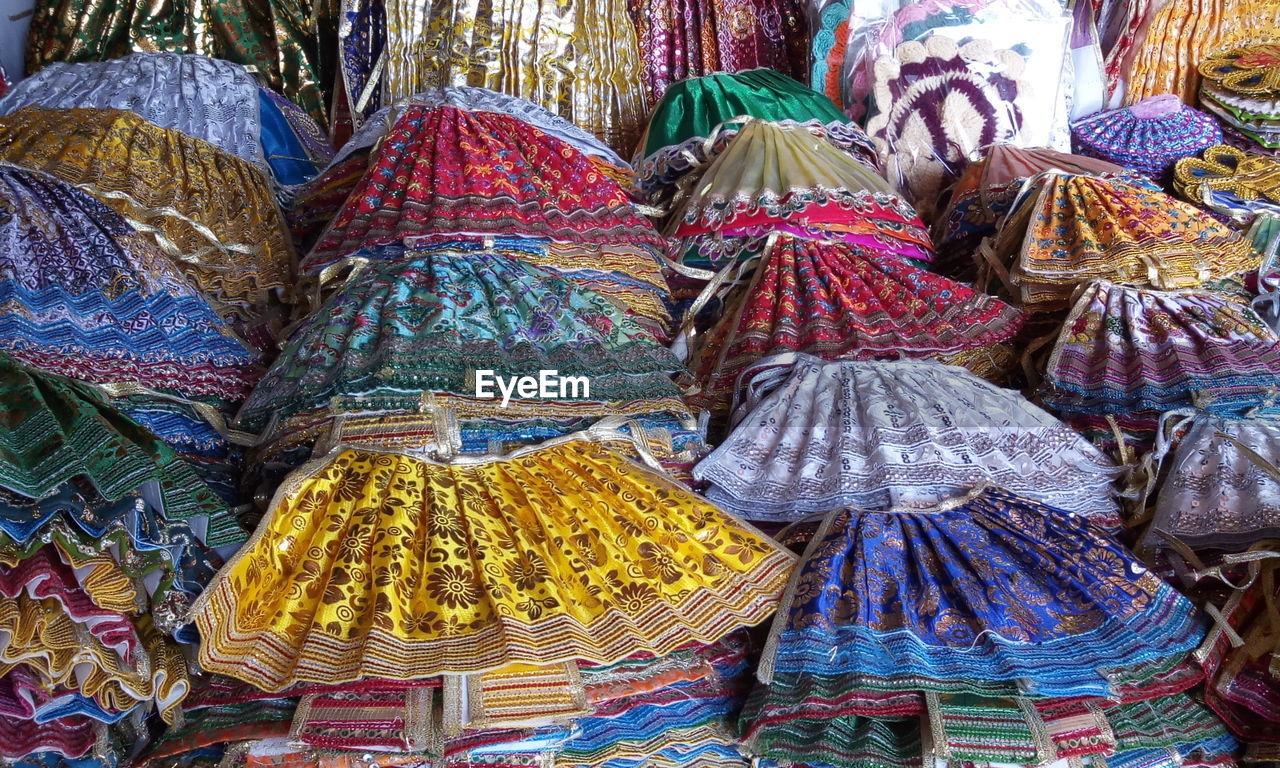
[374, 564]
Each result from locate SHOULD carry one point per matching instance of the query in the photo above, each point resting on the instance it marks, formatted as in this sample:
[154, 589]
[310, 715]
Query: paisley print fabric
[839, 301]
[991, 586]
[290, 161]
[211, 212]
[629, 275]
[273, 38]
[429, 322]
[1130, 349]
[681, 39]
[442, 169]
[469, 566]
[82, 294]
[1082, 228]
[883, 434]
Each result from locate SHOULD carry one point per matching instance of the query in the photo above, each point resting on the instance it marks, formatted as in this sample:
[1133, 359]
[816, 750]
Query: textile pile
[647, 384]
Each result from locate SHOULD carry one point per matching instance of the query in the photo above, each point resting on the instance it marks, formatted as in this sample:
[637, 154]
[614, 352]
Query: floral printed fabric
[986, 190]
[990, 587]
[375, 564]
[1084, 228]
[682, 39]
[631, 276]
[429, 321]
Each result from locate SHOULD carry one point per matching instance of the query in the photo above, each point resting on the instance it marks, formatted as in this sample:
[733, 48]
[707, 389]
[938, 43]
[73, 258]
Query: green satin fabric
[695, 107]
[272, 36]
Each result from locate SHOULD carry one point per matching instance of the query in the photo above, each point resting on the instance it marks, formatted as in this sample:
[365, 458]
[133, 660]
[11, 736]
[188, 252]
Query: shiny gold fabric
[274, 37]
[577, 58]
[210, 211]
[386, 565]
[1227, 169]
[1183, 32]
